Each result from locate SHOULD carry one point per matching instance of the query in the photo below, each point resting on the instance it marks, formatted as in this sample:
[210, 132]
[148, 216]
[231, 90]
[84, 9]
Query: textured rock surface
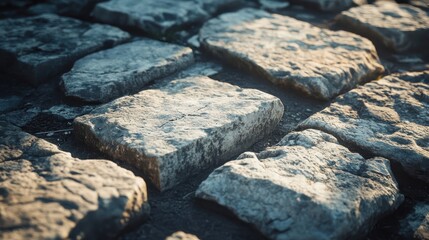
[400, 27]
[124, 69]
[182, 236]
[328, 5]
[77, 8]
[37, 48]
[306, 187]
[388, 118]
[416, 224]
[68, 112]
[47, 194]
[181, 128]
[288, 52]
[158, 16]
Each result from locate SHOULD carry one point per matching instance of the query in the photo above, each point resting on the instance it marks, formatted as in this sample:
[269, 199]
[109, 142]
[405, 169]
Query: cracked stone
[125, 69]
[307, 186]
[45, 193]
[158, 17]
[399, 27]
[387, 118]
[288, 52]
[180, 128]
[39, 48]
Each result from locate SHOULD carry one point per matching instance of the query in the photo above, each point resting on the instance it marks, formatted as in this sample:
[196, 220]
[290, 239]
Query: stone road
[204, 119]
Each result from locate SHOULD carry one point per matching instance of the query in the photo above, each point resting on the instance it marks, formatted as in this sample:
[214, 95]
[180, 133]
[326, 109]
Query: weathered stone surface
[181, 128]
[76, 8]
[124, 69]
[273, 4]
[329, 5]
[288, 52]
[416, 224]
[10, 103]
[182, 236]
[388, 118]
[158, 16]
[47, 194]
[37, 48]
[21, 117]
[308, 186]
[400, 27]
[68, 112]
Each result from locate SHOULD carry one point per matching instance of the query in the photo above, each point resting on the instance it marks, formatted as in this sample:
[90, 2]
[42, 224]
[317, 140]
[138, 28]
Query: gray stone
[124, 69]
[416, 224]
[175, 131]
[307, 186]
[41, 47]
[289, 52]
[10, 103]
[182, 236]
[158, 17]
[329, 5]
[45, 193]
[399, 27]
[21, 117]
[273, 5]
[69, 112]
[387, 118]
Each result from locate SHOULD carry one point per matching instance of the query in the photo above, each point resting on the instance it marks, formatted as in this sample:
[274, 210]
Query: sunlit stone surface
[124, 69]
[306, 187]
[388, 118]
[288, 52]
[180, 128]
[158, 16]
[47, 194]
[400, 27]
[38, 48]
[182, 236]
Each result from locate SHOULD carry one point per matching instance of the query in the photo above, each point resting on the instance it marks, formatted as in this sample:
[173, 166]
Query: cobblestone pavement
[214, 119]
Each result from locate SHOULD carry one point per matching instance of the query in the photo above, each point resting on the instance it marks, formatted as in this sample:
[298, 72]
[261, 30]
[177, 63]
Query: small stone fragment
[41, 47]
[124, 69]
[307, 186]
[399, 27]
[182, 236]
[387, 118]
[289, 52]
[45, 193]
[180, 128]
[158, 17]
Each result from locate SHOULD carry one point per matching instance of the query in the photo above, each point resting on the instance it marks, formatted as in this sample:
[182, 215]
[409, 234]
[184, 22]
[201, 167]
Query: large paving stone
[181, 128]
[289, 52]
[124, 69]
[329, 5]
[47, 194]
[158, 17]
[307, 186]
[416, 224]
[38, 48]
[400, 27]
[388, 118]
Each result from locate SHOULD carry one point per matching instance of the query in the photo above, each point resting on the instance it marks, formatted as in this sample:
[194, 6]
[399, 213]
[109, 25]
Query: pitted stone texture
[387, 118]
[308, 186]
[400, 27]
[124, 69]
[181, 128]
[329, 5]
[182, 236]
[158, 17]
[288, 52]
[416, 224]
[38, 48]
[47, 194]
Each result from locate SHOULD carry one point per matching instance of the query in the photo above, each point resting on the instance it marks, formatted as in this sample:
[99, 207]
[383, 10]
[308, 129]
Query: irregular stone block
[388, 118]
[329, 5]
[175, 131]
[416, 224]
[158, 17]
[399, 27]
[124, 69]
[45, 193]
[41, 47]
[289, 52]
[307, 186]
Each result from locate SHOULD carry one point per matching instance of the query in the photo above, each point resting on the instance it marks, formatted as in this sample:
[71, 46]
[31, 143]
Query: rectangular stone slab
[399, 27]
[288, 52]
[124, 69]
[38, 48]
[388, 118]
[158, 16]
[175, 131]
[307, 186]
[45, 193]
